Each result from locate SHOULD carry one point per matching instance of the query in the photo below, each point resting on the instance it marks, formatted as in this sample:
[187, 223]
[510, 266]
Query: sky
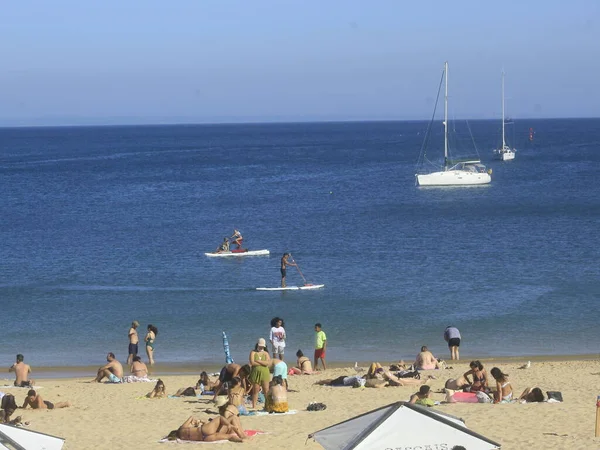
[70, 62]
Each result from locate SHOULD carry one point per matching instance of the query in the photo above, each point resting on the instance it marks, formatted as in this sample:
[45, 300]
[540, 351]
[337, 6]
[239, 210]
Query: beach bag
[554, 395]
[482, 397]
[313, 406]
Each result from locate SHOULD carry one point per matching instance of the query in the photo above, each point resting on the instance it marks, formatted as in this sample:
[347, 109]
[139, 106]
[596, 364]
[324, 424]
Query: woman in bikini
[150, 337]
[304, 366]
[217, 429]
[480, 378]
[504, 392]
[159, 390]
[206, 383]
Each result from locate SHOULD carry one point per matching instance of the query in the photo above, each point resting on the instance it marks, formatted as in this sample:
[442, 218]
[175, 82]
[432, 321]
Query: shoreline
[174, 369]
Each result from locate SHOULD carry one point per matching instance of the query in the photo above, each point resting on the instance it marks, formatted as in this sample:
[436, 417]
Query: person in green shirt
[320, 346]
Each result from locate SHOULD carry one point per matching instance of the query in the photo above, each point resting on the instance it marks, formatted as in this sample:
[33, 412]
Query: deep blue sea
[103, 225]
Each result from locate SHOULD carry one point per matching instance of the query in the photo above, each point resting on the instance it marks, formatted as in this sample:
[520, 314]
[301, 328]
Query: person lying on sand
[456, 384]
[113, 371]
[376, 371]
[422, 397]
[159, 390]
[425, 360]
[217, 429]
[36, 401]
[530, 395]
[22, 372]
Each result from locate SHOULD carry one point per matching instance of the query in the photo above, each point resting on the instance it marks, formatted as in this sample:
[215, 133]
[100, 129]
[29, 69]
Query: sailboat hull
[453, 178]
[506, 155]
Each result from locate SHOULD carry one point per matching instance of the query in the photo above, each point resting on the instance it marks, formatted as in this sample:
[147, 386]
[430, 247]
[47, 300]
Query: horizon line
[272, 122]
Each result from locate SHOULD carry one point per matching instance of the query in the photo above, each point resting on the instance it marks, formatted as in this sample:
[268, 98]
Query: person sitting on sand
[425, 360]
[237, 396]
[22, 372]
[8, 407]
[504, 392]
[276, 399]
[36, 401]
[113, 371]
[422, 397]
[159, 390]
[139, 368]
[217, 429]
[228, 411]
[227, 374]
[480, 378]
[304, 366]
[534, 395]
[280, 368]
[205, 384]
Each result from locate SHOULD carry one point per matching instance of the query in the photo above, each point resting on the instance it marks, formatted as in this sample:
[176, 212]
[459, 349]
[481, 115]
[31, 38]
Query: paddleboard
[244, 252]
[292, 288]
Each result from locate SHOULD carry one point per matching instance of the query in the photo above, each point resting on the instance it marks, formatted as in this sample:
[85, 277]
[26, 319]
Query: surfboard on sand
[292, 288]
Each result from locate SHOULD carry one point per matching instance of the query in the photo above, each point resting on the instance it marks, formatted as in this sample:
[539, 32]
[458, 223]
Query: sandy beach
[113, 416]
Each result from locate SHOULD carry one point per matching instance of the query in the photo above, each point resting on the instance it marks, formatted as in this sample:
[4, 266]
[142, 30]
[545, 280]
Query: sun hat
[135, 323]
[221, 401]
[261, 342]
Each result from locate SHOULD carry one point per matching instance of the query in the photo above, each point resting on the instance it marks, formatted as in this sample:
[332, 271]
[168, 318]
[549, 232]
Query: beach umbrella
[228, 358]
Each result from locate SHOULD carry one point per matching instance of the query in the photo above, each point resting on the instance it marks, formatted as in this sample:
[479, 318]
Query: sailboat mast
[446, 117]
[503, 140]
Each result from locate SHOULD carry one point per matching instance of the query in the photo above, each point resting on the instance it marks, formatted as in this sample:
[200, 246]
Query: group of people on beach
[33, 399]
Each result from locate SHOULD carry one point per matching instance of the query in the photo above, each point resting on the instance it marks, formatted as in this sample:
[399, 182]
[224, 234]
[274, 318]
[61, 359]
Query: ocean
[104, 225]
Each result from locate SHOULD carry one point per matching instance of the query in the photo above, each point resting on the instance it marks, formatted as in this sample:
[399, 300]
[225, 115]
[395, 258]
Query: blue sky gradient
[73, 62]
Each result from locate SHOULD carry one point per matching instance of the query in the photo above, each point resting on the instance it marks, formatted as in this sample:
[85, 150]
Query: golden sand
[112, 417]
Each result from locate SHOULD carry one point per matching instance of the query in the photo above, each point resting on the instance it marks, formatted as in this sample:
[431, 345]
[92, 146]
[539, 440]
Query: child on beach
[277, 337]
[422, 397]
[504, 392]
[320, 346]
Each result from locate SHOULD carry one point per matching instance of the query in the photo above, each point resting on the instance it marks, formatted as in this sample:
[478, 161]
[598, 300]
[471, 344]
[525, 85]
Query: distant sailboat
[464, 173]
[505, 153]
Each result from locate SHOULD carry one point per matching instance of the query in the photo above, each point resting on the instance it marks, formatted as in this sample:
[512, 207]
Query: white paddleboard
[292, 288]
[239, 253]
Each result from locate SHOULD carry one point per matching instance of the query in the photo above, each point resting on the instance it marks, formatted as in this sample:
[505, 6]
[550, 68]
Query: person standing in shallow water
[284, 264]
[452, 337]
[150, 337]
[133, 341]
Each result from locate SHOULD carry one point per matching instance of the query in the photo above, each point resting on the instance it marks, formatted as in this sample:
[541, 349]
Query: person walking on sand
[113, 371]
[277, 337]
[284, 264]
[452, 337]
[133, 341]
[22, 372]
[149, 339]
[35, 401]
[320, 346]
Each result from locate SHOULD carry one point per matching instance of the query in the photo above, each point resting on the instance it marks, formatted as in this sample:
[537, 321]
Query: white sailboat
[505, 153]
[463, 173]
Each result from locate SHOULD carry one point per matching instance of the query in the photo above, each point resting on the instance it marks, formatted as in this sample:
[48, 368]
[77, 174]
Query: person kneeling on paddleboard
[284, 264]
[224, 247]
[237, 238]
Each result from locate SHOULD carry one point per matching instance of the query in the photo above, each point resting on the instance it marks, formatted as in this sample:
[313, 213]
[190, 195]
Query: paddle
[306, 283]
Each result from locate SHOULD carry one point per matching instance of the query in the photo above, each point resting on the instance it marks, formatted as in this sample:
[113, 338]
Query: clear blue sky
[72, 62]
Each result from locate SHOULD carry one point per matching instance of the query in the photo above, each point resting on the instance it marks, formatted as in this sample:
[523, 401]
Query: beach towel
[134, 379]
[266, 413]
[249, 433]
[465, 397]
